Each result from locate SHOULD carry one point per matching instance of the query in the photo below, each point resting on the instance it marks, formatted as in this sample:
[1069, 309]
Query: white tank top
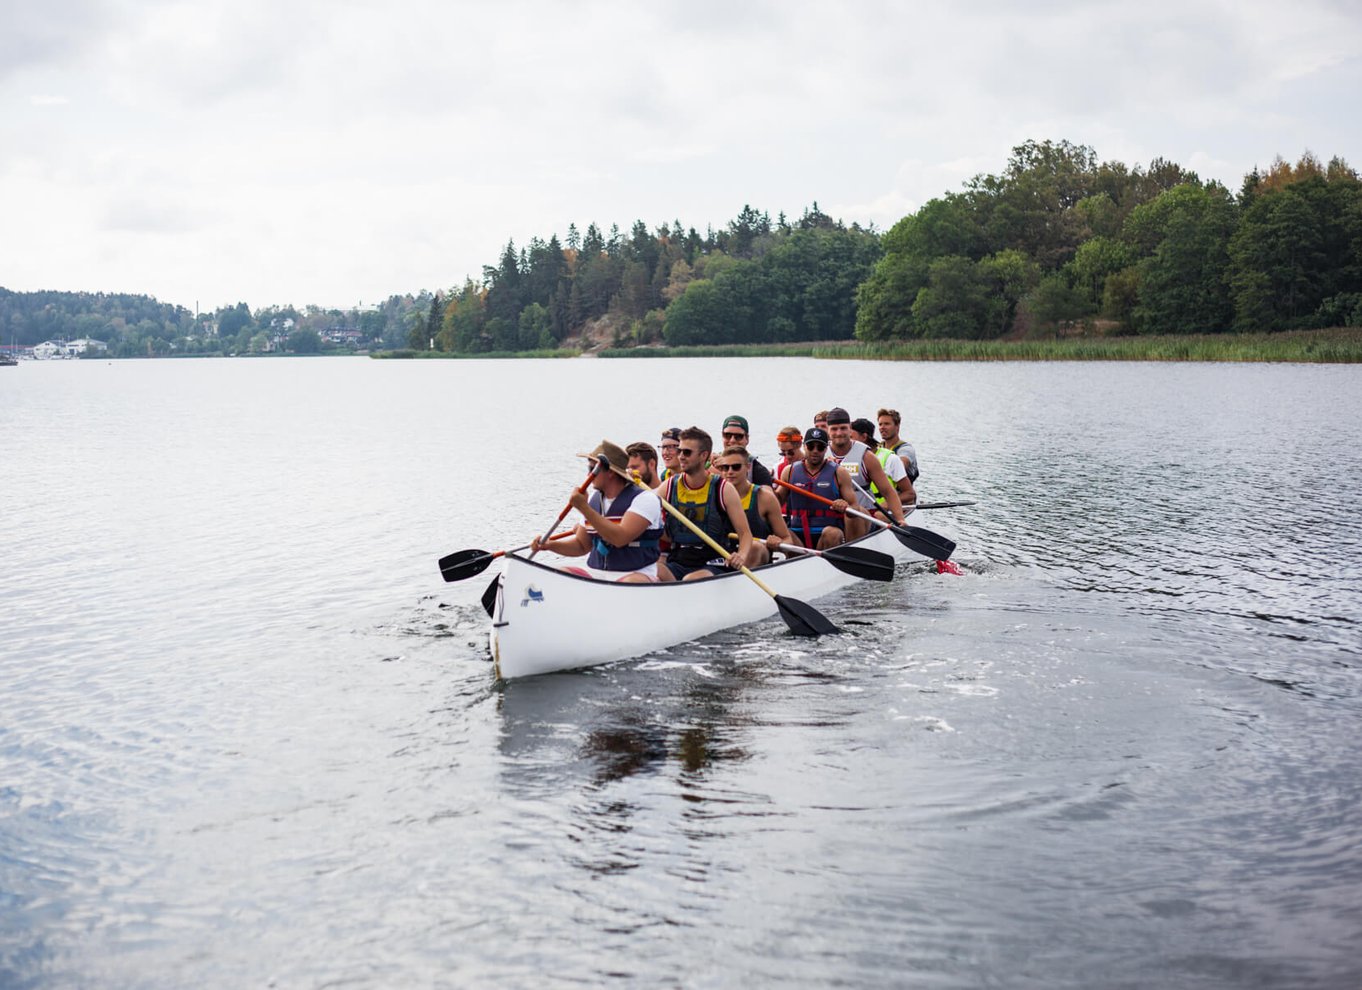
[854, 462]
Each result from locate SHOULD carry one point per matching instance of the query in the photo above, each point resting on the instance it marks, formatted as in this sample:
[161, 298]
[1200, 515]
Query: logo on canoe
[532, 594]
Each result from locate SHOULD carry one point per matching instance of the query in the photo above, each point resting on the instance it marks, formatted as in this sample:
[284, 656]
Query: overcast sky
[334, 152]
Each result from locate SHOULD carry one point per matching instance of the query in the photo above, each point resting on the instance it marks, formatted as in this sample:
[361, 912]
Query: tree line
[1057, 239]
[140, 326]
[753, 280]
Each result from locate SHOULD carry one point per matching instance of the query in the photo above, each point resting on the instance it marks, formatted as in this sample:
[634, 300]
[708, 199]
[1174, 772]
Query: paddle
[861, 562]
[919, 540]
[466, 563]
[596, 465]
[938, 505]
[489, 597]
[803, 620]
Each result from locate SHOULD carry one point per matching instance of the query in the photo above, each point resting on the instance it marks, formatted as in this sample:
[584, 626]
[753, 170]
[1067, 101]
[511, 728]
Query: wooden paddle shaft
[678, 514]
[567, 508]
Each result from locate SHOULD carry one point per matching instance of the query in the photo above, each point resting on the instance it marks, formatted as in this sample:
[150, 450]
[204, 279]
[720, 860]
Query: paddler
[735, 434]
[709, 502]
[671, 439]
[759, 504]
[889, 422]
[893, 465]
[864, 468]
[790, 441]
[623, 524]
[818, 525]
[643, 463]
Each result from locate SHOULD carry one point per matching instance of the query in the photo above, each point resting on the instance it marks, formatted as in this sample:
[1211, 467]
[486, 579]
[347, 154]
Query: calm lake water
[249, 738]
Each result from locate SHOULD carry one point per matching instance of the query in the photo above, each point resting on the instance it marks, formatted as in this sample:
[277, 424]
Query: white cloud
[333, 151]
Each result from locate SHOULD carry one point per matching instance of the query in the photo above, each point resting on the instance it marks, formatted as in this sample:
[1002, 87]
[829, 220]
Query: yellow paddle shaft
[678, 514]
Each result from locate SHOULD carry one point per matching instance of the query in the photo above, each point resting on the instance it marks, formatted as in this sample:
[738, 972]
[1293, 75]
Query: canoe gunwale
[546, 619]
[522, 557]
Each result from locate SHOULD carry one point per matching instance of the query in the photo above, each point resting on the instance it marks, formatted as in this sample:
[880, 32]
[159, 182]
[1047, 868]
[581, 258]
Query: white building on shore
[51, 349]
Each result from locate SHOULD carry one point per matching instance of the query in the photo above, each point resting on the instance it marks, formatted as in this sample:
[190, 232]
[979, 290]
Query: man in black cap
[818, 525]
[735, 434]
[864, 468]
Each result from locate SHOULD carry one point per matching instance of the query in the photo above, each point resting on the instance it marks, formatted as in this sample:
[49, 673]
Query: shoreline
[1336, 345]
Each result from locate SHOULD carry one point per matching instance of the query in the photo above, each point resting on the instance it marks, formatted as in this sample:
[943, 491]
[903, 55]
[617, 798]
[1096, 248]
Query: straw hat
[615, 457]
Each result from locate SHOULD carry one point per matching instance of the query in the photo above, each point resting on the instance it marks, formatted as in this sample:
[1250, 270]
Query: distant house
[342, 335]
[50, 349]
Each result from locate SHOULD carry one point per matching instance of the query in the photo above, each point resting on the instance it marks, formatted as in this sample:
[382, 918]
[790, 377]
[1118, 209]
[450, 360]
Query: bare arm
[874, 470]
[617, 534]
[574, 545]
[770, 511]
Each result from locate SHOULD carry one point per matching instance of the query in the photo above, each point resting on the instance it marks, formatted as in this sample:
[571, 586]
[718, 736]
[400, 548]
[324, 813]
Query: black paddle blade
[861, 562]
[489, 597]
[464, 564]
[943, 505]
[804, 620]
[925, 542]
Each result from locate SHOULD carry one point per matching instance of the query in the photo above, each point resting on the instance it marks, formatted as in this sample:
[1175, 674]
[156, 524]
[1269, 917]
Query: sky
[336, 152]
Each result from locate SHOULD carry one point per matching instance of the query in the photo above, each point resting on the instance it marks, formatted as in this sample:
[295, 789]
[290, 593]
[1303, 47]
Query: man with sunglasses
[709, 502]
[759, 503]
[735, 434]
[791, 444]
[818, 525]
[623, 528]
[864, 468]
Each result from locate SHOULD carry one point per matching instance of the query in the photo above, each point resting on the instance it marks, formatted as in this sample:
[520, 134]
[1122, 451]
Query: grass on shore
[1341, 345]
[440, 355]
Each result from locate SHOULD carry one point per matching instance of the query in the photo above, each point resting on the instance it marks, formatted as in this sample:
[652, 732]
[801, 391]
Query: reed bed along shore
[408, 354]
[1338, 345]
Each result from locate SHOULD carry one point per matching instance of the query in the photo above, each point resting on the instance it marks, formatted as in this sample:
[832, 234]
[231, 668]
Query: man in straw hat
[623, 523]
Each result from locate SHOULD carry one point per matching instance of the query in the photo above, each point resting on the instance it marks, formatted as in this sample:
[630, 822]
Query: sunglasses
[734, 436]
[730, 467]
[670, 446]
[815, 445]
[687, 451]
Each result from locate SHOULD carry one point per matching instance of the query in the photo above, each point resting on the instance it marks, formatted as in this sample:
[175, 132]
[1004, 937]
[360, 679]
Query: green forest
[1059, 243]
[1058, 240]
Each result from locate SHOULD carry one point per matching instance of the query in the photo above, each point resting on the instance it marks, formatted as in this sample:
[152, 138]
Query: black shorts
[679, 571]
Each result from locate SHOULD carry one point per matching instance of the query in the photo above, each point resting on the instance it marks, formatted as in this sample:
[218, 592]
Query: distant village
[274, 340]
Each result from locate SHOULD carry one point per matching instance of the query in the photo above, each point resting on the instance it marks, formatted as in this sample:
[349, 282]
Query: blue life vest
[640, 553]
[807, 517]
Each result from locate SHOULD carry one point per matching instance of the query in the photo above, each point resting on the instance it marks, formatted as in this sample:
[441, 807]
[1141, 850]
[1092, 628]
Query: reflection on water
[248, 738]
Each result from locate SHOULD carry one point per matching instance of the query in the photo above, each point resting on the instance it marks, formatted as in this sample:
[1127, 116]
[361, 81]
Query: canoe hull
[547, 620]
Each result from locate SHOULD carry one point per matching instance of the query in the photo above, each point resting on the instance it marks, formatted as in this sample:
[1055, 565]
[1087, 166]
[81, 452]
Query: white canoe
[546, 619]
